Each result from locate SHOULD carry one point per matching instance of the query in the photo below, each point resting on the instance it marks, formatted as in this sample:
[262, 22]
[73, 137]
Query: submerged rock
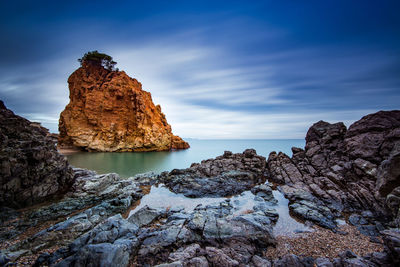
[31, 169]
[109, 111]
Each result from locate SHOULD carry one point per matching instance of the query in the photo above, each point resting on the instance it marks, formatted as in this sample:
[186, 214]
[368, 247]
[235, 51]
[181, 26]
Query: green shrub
[101, 59]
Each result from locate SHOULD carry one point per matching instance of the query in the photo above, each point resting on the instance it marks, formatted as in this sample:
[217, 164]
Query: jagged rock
[374, 136]
[388, 176]
[260, 262]
[264, 191]
[393, 203]
[172, 264]
[197, 262]
[225, 175]
[344, 170]
[111, 243]
[323, 262]
[31, 169]
[3, 259]
[238, 236]
[295, 261]
[109, 111]
[392, 242]
[146, 215]
[183, 254]
[218, 258]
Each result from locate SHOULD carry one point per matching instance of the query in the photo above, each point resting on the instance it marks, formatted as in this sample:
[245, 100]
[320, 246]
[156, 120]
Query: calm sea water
[128, 164]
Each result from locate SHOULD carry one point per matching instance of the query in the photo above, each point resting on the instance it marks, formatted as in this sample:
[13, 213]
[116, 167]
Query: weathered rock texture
[30, 167]
[109, 111]
[225, 175]
[350, 170]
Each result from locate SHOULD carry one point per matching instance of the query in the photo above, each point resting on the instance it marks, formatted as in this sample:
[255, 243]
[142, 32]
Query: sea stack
[109, 111]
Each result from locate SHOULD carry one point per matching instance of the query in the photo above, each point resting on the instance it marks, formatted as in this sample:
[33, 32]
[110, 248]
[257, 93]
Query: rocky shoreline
[344, 186]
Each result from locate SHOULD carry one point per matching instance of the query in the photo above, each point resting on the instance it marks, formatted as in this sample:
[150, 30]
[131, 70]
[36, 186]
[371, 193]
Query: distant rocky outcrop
[355, 170]
[109, 111]
[31, 169]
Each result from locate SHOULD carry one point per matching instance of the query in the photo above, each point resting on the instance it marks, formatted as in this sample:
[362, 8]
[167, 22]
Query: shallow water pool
[161, 197]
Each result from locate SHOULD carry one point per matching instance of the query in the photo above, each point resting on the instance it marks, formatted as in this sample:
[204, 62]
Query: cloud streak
[217, 72]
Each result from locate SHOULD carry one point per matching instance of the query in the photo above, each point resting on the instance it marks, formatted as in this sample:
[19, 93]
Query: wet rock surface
[31, 170]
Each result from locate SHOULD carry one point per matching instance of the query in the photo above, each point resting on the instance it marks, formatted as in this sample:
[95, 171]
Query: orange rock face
[109, 111]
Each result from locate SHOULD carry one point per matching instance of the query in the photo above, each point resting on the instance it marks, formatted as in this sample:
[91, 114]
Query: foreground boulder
[340, 170]
[31, 169]
[109, 111]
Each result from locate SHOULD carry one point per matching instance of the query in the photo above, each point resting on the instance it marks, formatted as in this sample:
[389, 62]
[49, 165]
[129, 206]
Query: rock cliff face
[340, 170]
[109, 111]
[31, 169]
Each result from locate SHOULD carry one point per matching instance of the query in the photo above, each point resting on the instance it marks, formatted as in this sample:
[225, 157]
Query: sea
[128, 164]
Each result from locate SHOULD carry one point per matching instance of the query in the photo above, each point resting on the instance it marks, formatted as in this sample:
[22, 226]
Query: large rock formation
[354, 170]
[31, 169]
[109, 111]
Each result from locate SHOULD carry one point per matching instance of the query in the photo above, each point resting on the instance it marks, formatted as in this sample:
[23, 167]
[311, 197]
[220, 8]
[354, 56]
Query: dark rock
[323, 262]
[146, 215]
[391, 238]
[380, 259]
[348, 254]
[293, 260]
[356, 219]
[108, 244]
[393, 203]
[225, 175]
[197, 262]
[343, 168]
[388, 176]
[186, 253]
[264, 191]
[370, 136]
[260, 262]
[31, 169]
[218, 258]
[3, 258]
[172, 264]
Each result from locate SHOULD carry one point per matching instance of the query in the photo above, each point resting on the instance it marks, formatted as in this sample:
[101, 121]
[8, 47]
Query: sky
[219, 69]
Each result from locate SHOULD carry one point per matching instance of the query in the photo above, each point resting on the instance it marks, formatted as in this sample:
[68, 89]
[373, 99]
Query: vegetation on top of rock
[101, 59]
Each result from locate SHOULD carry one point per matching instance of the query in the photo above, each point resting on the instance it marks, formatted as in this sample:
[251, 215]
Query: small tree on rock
[100, 59]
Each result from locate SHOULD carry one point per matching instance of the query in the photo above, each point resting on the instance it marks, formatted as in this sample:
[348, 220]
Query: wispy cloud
[218, 72]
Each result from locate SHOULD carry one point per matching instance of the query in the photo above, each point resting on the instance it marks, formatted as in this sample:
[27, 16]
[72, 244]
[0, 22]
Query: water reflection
[125, 164]
[286, 225]
[130, 163]
[161, 197]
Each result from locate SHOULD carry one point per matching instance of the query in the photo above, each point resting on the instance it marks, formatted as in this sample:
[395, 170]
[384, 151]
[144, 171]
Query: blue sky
[219, 69]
